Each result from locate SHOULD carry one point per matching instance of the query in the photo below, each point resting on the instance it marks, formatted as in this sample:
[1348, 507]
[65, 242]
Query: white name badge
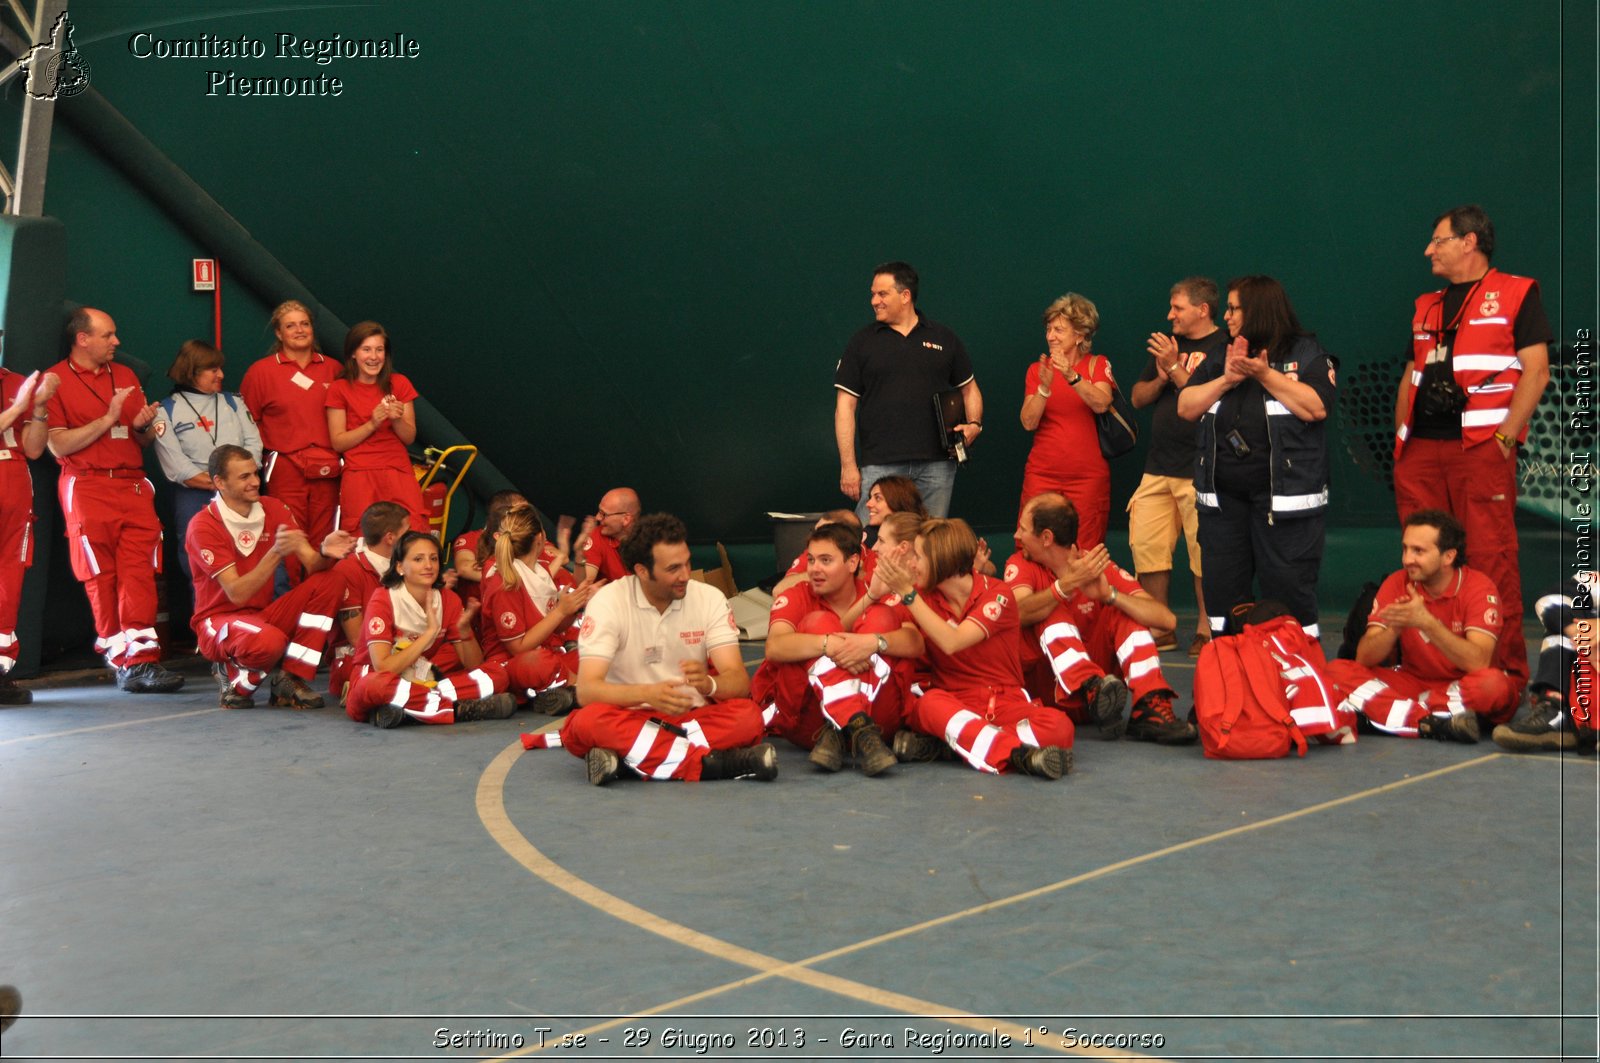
[652, 655]
[301, 381]
[119, 431]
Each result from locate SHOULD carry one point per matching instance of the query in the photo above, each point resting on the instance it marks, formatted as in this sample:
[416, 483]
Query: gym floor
[180, 882]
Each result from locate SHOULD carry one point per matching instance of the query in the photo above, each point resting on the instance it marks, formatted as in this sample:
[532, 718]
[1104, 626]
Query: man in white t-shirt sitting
[649, 699]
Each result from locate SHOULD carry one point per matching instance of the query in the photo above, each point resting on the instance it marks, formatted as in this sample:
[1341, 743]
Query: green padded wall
[626, 242]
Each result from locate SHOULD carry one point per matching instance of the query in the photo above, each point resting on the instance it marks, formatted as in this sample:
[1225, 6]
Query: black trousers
[1249, 555]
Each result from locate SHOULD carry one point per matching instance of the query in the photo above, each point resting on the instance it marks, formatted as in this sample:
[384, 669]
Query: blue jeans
[935, 479]
[187, 502]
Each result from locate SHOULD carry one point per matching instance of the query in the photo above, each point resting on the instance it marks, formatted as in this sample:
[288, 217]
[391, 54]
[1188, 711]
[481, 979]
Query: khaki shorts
[1161, 508]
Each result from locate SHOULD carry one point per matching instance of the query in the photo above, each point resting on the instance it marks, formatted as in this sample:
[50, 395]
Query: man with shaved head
[604, 532]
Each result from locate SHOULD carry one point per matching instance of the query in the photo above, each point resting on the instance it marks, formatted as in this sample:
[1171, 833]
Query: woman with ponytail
[533, 622]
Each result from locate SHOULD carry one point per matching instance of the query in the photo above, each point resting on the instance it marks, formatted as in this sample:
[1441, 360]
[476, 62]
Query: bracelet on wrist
[713, 691]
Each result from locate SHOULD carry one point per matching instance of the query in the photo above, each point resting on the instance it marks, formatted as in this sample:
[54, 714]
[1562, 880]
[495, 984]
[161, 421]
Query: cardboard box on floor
[720, 578]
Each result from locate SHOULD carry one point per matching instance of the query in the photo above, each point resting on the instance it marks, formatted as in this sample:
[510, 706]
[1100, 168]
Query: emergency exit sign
[205, 274]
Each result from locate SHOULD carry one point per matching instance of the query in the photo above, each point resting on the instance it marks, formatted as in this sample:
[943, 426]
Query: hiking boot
[916, 747]
[1542, 725]
[148, 678]
[11, 694]
[493, 707]
[757, 762]
[557, 701]
[291, 692]
[1152, 720]
[1451, 727]
[602, 765]
[387, 716]
[1049, 762]
[1106, 695]
[827, 752]
[227, 697]
[866, 745]
[1198, 644]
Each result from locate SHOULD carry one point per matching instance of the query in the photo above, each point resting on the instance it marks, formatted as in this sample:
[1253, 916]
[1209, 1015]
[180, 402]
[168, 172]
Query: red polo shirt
[287, 401]
[84, 396]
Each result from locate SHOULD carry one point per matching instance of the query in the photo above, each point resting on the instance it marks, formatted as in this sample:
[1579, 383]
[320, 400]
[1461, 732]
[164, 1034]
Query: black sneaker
[1542, 725]
[914, 746]
[555, 702]
[756, 762]
[493, 707]
[148, 678]
[1049, 762]
[1152, 720]
[866, 745]
[387, 716]
[229, 698]
[827, 752]
[602, 765]
[291, 692]
[1451, 727]
[1107, 695]
[11, 694]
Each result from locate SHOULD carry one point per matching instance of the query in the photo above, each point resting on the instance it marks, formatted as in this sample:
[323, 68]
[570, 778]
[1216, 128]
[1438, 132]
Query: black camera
[1441, 398]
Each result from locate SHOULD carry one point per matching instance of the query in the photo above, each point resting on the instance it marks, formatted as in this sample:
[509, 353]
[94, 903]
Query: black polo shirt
[1172, 439]
[895, 377]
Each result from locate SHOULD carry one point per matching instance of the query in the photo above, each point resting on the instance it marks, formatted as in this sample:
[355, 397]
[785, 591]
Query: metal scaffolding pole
[25, 195]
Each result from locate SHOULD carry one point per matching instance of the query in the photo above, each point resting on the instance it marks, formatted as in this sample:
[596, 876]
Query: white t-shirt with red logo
[645, 646]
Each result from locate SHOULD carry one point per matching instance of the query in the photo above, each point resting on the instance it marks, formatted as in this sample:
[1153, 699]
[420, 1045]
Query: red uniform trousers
[1479, 488]
[16, 551]
[314, 502]
[359, 488]
[423, 703]
[1090, 496]
[798, 696]
[114, 539]
[540, 668]
[290, 633]
[658, 746]
[985, 727]
[1115, 644]
[1394, 701]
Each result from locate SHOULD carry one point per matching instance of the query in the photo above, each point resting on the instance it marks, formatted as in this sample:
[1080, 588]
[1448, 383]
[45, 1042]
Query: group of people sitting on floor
[903, 650]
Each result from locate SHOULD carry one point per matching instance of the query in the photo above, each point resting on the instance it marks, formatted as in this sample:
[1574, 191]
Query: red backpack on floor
[1240, 699]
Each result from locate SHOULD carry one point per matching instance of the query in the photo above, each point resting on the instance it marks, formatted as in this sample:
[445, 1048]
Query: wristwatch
[909, 597]
[883, 644]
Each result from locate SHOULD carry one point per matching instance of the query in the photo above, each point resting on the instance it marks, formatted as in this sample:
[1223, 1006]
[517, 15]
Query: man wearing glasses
[1480, 361]
[619, 511]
